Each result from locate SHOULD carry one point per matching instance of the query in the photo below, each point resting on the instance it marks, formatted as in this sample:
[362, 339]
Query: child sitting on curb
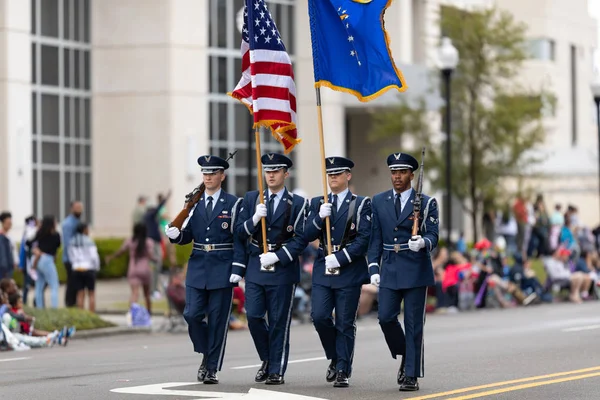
[11, 337]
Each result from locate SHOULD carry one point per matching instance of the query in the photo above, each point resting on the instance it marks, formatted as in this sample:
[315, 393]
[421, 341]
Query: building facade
[102, 101]
[562, 42]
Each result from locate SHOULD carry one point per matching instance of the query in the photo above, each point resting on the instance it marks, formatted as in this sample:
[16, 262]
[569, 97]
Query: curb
[113, 331]
[124, 312]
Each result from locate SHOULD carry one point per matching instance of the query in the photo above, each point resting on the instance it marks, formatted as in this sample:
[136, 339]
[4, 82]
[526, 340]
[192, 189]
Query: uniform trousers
[410, 346]
[337, 336]
[207, 313]
[269, 312]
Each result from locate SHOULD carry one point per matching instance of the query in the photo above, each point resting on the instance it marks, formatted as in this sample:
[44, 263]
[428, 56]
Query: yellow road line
[511, 382]
[525, 386]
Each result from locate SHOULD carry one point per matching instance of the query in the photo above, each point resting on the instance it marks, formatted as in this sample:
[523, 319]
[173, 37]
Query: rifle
[418, 198]
[190, 201]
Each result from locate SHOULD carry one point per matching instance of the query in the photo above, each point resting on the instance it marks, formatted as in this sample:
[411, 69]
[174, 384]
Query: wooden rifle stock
[190, 201]
[418, 197]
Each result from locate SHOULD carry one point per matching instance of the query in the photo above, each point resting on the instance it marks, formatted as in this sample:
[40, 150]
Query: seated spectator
[27, 328]
[85, 262]
[522, 275]
[457, 264]
[8, 286]
[176, 289]
[368, 295]
[440, 258]
[499, 277]
[559, 273]
[176, 295]
[11, 336]
[585, 265]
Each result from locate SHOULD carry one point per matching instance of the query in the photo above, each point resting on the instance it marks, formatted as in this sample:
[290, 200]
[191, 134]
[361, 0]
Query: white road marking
[253, 394]
[582, 328]
[289, 362]
[15, 359]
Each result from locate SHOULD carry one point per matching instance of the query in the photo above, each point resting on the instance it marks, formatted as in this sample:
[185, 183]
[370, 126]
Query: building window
[61, 106]
[230, 121]
[541, 49]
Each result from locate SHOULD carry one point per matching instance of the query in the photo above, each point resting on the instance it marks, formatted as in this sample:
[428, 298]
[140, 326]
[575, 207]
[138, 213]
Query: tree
[496, 121]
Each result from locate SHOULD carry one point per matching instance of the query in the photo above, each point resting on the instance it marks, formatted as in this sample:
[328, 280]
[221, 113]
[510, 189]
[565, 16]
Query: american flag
[267, 84]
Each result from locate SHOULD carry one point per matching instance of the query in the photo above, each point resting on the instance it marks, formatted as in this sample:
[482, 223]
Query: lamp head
[447, 55]
[595, 86]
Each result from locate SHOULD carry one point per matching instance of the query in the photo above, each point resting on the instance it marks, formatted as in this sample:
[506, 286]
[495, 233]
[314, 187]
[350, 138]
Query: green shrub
[117, 268]
[51, 319]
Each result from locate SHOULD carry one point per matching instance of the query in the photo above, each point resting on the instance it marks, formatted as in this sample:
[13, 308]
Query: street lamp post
[448, 59]
[596, 94]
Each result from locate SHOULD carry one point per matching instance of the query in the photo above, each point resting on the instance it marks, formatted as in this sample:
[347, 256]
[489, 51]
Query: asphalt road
[543, 352]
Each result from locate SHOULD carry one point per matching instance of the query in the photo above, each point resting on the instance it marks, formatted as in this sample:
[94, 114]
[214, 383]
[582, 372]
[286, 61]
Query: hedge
[50, 319]
[117, 267]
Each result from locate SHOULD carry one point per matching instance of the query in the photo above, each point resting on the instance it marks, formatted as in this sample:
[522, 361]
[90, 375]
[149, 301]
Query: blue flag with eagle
[351, 49]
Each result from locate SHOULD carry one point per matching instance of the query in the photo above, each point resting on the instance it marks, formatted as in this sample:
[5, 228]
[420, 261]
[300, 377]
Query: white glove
[269, 258]
[416, 243]
[235, 278]
[261, 211]
[325, 210]
[172, 232]
[331, 262]
[375, 278]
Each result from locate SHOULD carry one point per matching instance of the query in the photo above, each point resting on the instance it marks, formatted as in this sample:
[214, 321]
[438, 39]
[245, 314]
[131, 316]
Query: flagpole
[261, 195]
[323, 174]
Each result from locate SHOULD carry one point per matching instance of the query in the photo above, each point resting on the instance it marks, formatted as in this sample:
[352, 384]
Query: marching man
[217, 253]
[273, 273]
[337, 278]
[400, 265]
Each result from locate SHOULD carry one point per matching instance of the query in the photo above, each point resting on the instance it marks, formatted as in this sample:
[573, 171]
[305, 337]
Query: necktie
[334, 205]
[271, 209]
[398, 206]
[209, 206]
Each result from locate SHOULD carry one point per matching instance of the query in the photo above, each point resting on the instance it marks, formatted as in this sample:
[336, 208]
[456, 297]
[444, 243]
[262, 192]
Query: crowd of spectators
[528, 256]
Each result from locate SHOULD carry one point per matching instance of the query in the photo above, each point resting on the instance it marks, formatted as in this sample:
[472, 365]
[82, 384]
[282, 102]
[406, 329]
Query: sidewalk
[112, 296]
[112, 302]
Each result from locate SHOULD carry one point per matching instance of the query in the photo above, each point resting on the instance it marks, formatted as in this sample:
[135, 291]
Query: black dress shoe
[202, 371]
[341, 380]
[409, 385]
[211, 378]
[261, 375]
[401, 373]
[331, 371]
[275, 379]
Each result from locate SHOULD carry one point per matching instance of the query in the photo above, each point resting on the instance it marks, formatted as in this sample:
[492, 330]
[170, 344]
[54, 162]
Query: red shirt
[24, 325]
[451, 275]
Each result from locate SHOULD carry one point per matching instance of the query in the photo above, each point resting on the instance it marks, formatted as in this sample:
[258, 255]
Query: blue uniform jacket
[389, 256]
[287, 270]
[352, 258]
[211, 269]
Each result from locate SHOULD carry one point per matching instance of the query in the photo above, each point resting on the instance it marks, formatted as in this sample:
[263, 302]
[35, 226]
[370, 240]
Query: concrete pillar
[15, 115]
[150, 81]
